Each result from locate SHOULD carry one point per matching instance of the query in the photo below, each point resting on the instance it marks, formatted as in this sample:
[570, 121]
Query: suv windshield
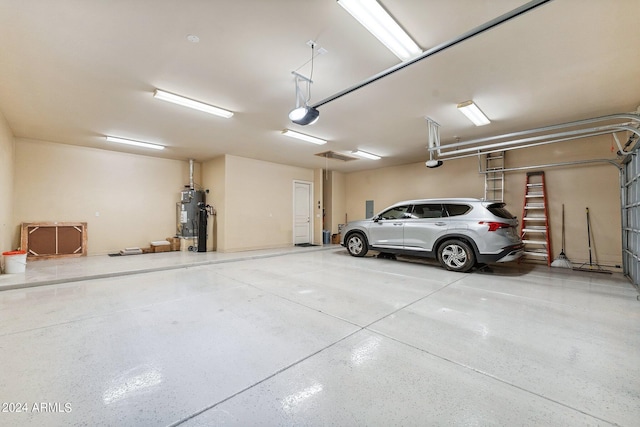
[498, 210]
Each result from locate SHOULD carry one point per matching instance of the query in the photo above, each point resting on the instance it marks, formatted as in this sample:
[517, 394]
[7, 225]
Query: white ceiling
[73, 71]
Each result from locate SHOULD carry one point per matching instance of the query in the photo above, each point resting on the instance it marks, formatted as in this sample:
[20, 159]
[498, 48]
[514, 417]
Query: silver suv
[460, 233]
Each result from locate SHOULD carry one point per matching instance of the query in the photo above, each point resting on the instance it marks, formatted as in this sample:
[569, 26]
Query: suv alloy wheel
[456, 255]
[357, 245]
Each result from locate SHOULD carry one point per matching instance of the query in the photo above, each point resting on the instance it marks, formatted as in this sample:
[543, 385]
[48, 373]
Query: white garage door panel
[631, 219]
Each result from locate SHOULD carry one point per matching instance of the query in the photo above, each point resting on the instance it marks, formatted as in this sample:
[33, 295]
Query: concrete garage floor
[315, 337]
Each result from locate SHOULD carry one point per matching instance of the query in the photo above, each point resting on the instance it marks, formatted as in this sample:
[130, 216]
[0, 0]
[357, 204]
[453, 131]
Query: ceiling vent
[336, 156]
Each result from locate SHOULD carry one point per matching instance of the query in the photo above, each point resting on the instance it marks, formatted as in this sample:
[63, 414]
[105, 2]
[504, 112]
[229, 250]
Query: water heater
[188, 212]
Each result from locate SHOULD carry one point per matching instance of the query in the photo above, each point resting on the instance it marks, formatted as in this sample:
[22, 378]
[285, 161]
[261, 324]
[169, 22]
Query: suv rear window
[498, 210]
[457, 210]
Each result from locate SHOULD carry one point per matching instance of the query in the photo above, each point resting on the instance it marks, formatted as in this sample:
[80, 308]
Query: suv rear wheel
[456, 255]
[357, 245]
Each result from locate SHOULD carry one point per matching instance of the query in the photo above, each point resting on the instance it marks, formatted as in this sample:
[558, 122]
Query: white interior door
[302, 212]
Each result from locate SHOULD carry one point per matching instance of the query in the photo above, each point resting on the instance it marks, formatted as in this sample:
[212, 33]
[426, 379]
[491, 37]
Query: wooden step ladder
[535, 220]
[494, 177]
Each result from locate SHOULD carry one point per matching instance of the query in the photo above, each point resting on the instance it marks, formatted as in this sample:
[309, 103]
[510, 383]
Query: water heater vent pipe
[191, 174]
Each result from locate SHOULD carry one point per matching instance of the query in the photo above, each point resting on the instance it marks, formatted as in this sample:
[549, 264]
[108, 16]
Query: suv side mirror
[376, 218]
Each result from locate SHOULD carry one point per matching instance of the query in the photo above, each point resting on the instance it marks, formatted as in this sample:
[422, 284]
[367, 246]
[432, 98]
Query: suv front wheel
[357, 245]
[456, 255]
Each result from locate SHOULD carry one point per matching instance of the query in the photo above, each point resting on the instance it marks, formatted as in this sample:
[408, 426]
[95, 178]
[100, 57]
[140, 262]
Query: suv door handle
[440, 223]
[397, 223]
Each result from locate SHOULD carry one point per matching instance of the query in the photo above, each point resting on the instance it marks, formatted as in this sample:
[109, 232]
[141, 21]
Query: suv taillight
[493, 226]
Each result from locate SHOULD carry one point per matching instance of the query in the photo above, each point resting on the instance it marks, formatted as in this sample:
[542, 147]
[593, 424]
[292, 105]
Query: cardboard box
[335, 239]
[160, 246]
[174, 243]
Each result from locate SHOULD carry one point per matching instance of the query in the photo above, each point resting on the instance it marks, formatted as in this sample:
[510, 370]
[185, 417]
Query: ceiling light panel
[133, 142]
[374, 18]
[473, 113]
[303, 137]
[196, 105]
[366, 155]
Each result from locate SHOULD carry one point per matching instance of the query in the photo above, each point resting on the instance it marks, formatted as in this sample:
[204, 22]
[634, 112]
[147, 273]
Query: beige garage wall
[339, 200]
[258, 204]
[127, 200]
[6, 186]
[318, 206]
[334, 200]
[595, 186]
[386, 186]
[214, 179]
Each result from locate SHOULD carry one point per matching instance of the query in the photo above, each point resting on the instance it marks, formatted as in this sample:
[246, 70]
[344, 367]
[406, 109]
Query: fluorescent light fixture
[366, 155]
[196, 105]
[473, 113]
[374, 18]
[136, 143]
[303, 137]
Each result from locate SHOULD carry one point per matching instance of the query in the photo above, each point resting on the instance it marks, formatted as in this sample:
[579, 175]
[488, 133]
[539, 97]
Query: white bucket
[15, 262]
